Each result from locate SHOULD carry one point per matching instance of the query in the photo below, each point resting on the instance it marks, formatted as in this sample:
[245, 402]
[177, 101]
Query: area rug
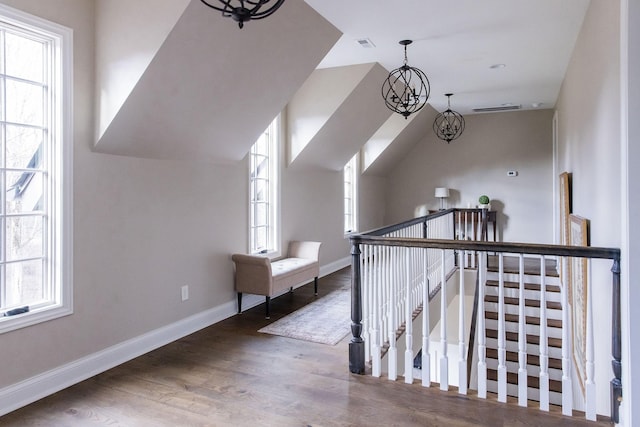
[325, 321]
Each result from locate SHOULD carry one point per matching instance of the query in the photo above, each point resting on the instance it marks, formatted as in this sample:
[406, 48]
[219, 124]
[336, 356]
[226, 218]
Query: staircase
[532, 287]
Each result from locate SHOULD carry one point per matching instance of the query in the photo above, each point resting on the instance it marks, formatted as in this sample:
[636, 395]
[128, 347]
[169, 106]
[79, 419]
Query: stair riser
[532, 370]
[530, 348]
[528, 311]
[528, 278]
[530, 329]
[528, 294]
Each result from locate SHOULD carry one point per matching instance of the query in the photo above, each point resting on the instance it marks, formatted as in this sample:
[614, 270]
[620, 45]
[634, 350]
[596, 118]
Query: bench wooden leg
[315, 285]
[239, 302]
[267, 303]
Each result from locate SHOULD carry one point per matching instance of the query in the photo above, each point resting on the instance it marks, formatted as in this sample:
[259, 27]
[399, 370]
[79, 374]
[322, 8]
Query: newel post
[356, 346]
[616, 345]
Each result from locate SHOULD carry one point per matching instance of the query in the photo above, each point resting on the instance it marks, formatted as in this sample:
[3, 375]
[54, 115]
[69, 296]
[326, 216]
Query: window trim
[275, 128]
[60, 246]
[354, 163]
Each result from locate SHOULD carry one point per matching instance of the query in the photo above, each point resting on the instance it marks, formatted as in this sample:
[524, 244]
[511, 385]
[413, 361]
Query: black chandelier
[449, 124]
[245, 10]
[406, 89]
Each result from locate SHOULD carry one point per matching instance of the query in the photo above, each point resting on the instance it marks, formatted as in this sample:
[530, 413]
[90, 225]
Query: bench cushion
[289, 272]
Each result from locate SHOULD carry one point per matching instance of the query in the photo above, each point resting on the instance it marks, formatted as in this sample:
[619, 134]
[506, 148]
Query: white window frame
[57, 158]
[273, 134]
[350, 190]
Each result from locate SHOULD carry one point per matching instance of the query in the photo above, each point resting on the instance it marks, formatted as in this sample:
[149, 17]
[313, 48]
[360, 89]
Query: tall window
[350, 195]
[35, 147]
[263, 181]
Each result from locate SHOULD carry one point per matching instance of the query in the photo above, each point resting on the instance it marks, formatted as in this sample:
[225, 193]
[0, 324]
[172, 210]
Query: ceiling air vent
[498, 108]
[366, 43]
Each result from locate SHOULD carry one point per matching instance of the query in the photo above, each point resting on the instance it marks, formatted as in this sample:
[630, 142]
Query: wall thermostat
[512, 173]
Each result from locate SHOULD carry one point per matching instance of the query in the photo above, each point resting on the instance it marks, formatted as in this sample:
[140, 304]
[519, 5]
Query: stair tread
[532, 359]
[532, 381]
[529, 320]
[531, 339]
[527, 286]
[527, 302]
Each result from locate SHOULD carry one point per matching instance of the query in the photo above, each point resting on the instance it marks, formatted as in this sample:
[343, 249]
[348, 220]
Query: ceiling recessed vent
[498, 108]
[366, 43]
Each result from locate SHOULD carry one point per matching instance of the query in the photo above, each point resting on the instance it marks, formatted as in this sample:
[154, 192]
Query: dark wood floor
[231, 375]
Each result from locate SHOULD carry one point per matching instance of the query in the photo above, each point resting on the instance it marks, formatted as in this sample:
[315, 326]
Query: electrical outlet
[185, 292]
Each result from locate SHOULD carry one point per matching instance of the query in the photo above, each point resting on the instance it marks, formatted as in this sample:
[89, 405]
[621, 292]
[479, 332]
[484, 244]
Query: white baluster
[522, 339]
[482, 341]
[385, 295]
[544, 352]
[444, 360]
[590, 384]
[366, 303]
[376, 318]
[474, 255]
[426, 330]
[393, 351]
[408, 354]
[567, 345]
[462, 355]
[502, 350]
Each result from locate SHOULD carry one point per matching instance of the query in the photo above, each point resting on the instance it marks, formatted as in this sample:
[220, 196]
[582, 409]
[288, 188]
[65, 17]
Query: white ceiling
[457, 41]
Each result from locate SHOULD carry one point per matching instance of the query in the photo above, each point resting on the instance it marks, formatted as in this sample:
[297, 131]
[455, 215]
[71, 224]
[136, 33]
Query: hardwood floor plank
[231, 375]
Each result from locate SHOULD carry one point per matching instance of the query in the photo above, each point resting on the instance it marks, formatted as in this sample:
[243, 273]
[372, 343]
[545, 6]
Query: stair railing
[397, 269]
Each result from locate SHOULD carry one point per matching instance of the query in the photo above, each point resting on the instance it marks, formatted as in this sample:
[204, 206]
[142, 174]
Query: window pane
[260, 238]
[24, 103]
[24, 237]
[261, 215]
[24, 192]
[262, 168]
[25, 284]
[23, 147]
[262, 191]
[24, 57]
[347, 207]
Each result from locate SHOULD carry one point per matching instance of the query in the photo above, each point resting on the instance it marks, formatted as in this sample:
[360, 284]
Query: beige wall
[143, 228]
[371, 205]
[124, 48]
[630, 212]
[476, 164]
[589, 147]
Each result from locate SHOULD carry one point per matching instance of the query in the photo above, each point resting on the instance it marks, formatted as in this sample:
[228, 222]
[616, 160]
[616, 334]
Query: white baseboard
[30, 390]
[325, 270]
[42, 385]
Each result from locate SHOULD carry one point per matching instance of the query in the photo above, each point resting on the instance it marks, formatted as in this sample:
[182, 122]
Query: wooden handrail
[395, 227]
[469, 245]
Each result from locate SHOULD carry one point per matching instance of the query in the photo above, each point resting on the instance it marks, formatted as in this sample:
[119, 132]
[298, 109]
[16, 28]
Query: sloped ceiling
[343, 121]
[128, 36]
[394, 140]
[212, 88]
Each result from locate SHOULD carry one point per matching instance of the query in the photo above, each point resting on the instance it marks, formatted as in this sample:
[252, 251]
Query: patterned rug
[325, 321]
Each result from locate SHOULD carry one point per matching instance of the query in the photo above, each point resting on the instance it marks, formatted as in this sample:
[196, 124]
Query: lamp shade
[442, 192]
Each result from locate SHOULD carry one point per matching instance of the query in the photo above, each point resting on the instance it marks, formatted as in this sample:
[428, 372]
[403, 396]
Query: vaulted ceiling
[211, 89]
[175, 80]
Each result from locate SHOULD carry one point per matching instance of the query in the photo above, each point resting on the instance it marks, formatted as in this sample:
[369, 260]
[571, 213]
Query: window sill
[30, 318]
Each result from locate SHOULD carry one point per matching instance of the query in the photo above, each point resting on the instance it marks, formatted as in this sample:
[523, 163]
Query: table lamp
[442, 193]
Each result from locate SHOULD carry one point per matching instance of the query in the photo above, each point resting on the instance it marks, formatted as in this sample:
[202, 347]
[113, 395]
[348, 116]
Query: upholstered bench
[258, 275]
